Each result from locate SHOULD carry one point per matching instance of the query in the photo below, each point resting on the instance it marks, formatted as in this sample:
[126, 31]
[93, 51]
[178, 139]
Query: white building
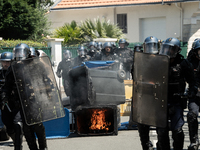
[138, 18]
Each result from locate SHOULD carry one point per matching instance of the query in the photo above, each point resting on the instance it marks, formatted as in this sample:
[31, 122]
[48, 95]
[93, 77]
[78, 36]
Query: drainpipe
[115, 20]
[181, 16]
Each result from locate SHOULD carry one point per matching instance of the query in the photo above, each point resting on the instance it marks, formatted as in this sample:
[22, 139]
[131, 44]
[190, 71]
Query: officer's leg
[193, 125]
[144, 136]
[40, 132]
[163, 139]
[18, 128]
[177, 122]
[30, 137]
[66, 87]
[178, 137]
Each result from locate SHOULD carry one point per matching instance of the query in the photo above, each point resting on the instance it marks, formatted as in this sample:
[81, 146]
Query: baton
[8, 107]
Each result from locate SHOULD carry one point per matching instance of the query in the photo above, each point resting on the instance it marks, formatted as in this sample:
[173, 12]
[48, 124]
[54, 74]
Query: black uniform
[65, 65]
[126, 58]
[181, 71]
[193, 105]
[14, 121]
[79, 60]
[5, 114]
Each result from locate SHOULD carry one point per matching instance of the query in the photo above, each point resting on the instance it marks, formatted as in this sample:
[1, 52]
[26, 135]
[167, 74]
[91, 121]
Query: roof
[78, 4]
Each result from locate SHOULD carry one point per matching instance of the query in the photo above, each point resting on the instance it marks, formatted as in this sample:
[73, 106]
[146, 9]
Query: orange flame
[98, 120]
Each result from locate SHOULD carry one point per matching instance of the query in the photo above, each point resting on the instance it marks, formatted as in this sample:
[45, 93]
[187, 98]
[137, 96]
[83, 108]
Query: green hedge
[13, 43]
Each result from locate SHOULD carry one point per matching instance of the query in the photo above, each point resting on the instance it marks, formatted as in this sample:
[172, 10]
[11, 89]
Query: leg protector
[40, 132]
[178, 137]
[18, 126]
[144, 136]
[30, 137]
[193, 127]
[163, 139]
[12, 136]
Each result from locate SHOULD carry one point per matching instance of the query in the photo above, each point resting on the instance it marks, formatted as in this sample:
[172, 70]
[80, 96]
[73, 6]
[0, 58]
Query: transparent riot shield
[37, 90]
[150, 87]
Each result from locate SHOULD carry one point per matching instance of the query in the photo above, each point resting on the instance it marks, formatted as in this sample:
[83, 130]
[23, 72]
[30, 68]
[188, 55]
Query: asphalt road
[126, 139]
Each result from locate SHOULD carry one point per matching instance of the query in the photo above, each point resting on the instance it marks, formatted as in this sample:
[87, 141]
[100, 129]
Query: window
[122, 22]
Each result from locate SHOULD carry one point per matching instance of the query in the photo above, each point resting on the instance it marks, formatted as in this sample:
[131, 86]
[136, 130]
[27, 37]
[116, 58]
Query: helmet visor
[138, 49]
[20, 54]
[151, 48]
[68, 55]
[169, 50]
[81, 53]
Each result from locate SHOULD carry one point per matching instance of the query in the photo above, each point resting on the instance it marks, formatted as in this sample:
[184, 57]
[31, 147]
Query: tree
[101, 29]
[71, 33]
[19, 20]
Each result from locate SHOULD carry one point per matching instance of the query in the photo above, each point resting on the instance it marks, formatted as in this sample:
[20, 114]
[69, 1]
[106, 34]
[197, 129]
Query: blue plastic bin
[58, 128]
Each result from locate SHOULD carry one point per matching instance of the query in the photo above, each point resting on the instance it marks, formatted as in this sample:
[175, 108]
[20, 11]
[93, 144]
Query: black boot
[40, 132]
[144, 136]
[193, 131]
[30, 137]
[18, 135]
[163, 139]
[178, 137]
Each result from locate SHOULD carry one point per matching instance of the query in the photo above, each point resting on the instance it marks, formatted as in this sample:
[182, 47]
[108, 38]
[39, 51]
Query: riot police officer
[107, 53]
[63, 69]
[150, 45]
[125, 56]
[138, 48]
[82, 56]
[6, 58]
[37, 129]
[10, 95]
[99, 46]
[92, 49]
[180, 72]
[193, 105]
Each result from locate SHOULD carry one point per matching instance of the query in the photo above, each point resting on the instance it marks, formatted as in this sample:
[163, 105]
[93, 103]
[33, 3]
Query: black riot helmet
[151, 45]
[82, 51]
[196, 47]
[123, 43]
[138, 48]
[92, 45]
[106, 46]
[67, 54]
[6, 56]
[171, 47]
[33, 52]
[99, 45]
[22, 51]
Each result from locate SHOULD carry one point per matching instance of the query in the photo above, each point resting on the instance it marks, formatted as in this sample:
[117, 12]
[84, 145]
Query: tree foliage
[87, 31]
[71, 33]
[21, 19]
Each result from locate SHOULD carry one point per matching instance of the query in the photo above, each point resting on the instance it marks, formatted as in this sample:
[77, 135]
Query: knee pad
[178, 134]
[19, 127]
[191, 117]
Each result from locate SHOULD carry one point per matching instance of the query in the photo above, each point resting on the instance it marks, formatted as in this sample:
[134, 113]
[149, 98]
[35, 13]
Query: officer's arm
[188, 71]
[58, 72]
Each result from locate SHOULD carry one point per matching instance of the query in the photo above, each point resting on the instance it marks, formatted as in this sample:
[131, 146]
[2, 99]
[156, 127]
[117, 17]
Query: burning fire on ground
[98, 120]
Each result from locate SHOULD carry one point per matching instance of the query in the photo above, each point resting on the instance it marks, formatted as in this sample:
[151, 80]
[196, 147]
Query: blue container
[58, 128]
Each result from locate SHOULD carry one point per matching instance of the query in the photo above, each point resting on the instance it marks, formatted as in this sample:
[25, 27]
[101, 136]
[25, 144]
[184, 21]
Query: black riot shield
[37, 90]
[150, 89]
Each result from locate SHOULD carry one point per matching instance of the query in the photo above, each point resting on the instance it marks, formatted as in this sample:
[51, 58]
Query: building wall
[59, 18]
[171, 13]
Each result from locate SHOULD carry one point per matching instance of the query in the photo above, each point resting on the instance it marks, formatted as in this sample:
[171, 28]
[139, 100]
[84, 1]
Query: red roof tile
[67, 4]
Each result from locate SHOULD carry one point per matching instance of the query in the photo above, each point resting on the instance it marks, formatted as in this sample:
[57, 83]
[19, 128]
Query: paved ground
[126, 139]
